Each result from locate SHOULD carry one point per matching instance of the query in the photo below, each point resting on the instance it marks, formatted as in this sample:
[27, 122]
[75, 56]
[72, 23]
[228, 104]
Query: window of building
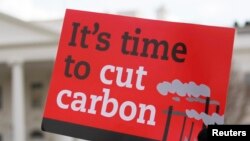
[1, 98]
[37, 93]
[247, 79]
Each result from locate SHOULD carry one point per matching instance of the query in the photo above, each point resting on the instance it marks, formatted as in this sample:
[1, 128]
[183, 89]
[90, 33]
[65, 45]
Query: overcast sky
[209, 12]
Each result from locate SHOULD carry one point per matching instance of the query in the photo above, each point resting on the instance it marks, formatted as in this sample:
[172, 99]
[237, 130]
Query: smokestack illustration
[193, 92]
[169, 113]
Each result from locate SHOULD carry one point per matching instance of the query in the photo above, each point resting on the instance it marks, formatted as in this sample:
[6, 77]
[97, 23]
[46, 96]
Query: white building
[238, 106]
[27, 54]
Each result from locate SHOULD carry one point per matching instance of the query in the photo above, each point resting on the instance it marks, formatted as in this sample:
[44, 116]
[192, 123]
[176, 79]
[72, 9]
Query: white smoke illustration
[207, 119]
[177, 99]
[200, 100]
[183, 89]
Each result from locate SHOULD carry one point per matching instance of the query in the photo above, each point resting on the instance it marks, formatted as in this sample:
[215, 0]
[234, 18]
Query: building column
[63, 138]
[18, 107]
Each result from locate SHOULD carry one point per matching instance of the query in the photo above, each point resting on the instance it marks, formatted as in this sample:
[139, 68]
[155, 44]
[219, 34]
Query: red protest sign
[123, 78]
